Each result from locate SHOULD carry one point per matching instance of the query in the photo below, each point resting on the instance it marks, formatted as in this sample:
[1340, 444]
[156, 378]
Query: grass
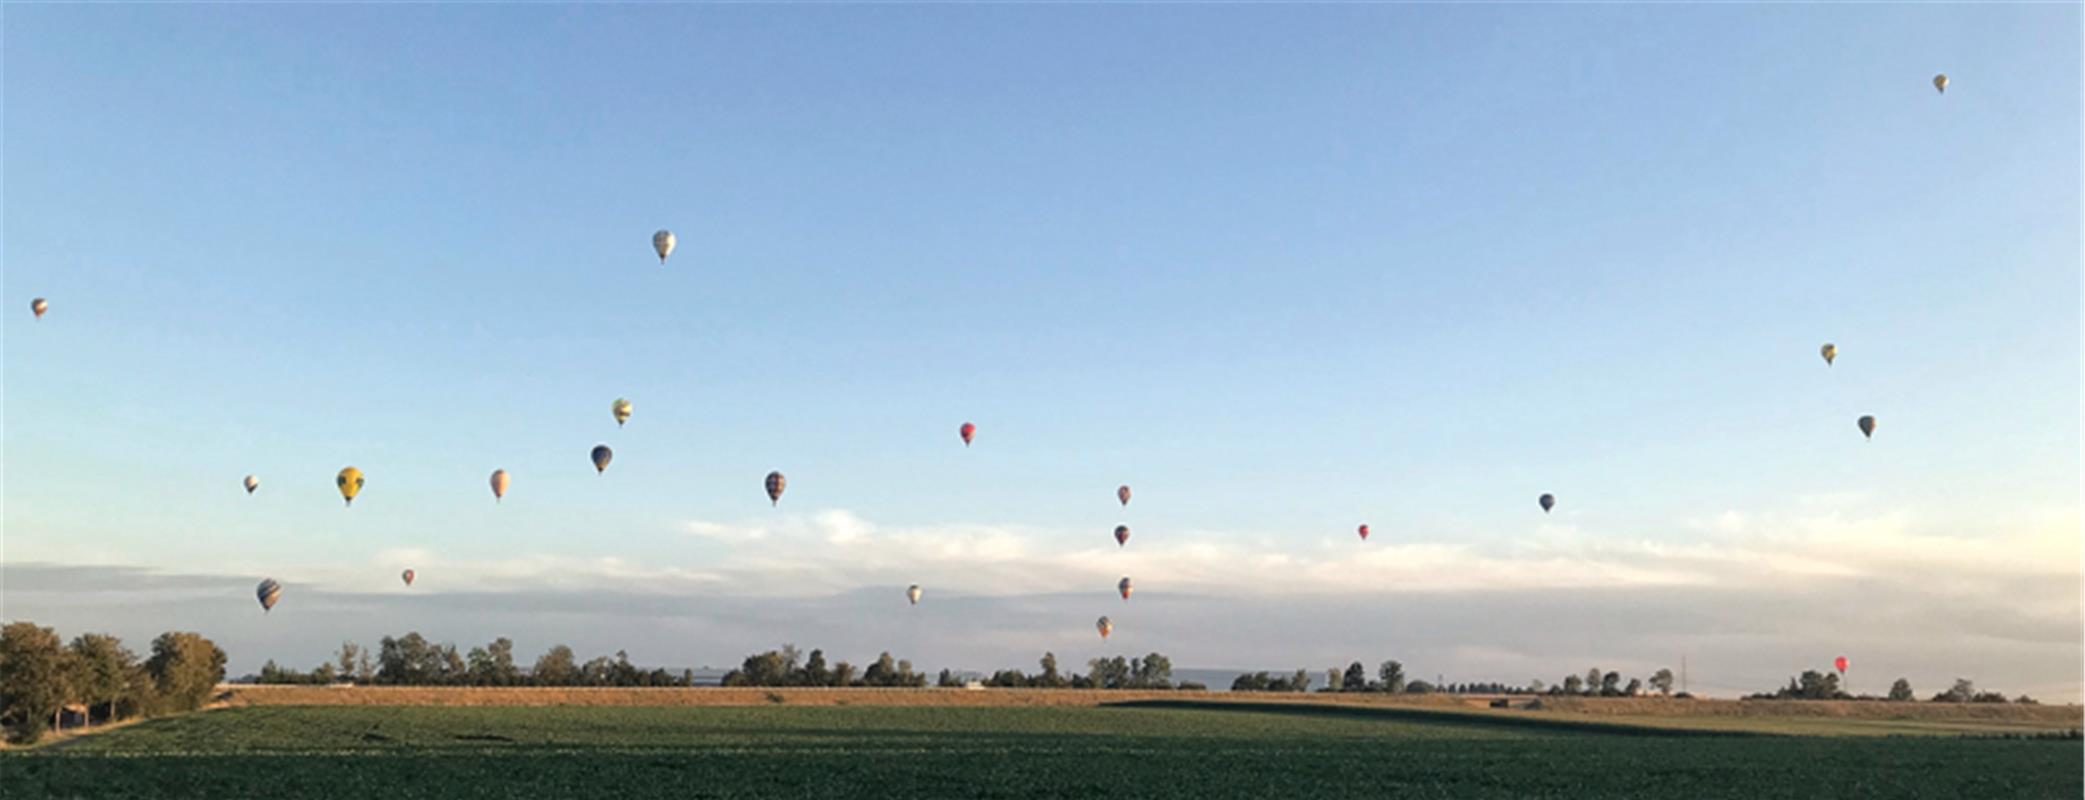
[1146, 750]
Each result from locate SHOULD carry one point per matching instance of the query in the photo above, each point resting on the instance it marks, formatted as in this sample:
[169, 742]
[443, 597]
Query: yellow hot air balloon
[621, 409]
[662, 243]
[499, 484]
[39, 305]
[1829, 351]
[912, 593]
[1940, 83]
[350, 482]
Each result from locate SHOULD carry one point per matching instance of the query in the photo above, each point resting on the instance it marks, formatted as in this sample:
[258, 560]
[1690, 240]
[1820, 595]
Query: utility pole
[1683, 673]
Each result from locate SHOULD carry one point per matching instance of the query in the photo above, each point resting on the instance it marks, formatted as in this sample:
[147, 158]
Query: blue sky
[1283, 269]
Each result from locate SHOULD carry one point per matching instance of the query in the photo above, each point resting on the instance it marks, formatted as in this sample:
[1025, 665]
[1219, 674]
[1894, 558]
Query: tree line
[782, 668]
[1815, 685]
[42, 677]
[412, 660]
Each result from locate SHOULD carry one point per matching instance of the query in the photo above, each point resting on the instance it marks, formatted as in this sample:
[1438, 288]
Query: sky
[1282, 269]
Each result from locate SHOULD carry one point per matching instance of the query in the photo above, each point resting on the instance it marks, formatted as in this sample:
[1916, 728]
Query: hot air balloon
[1829, 351]
[1121, 535]
[1124, 587]
[350, 482]
[407, 576]
[912, 593]
[1364, 533]
[775, 484]
[252, 483]
[621, 410]
[1940, 83]
[662, 243]
[1840, 663]
[968, 430]
[1868, 427]
[39, 305]
[1122, 493]
[1105, 626]
[1548, 502]
[601, 457]
[499, 484]
[268, 592]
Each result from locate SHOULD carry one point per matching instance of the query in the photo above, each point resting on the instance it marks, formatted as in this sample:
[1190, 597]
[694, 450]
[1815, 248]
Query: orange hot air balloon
[1122, 494]
[969, 431]
[499, 484]
[1125, 587]
[1364, 533]
[408, 576]
[39, 305]
[1105, 626]
[1867, 427]
[775, 484]
[1121, 535]
[1840, 663]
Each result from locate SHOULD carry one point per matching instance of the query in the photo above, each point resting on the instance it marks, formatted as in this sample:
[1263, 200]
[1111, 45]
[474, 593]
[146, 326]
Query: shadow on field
[1506, 721]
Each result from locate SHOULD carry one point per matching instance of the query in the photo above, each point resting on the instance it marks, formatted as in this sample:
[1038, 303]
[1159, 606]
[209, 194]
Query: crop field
[1154, 749]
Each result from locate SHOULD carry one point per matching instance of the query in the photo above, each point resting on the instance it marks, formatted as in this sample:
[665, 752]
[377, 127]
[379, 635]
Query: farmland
[1152, 748]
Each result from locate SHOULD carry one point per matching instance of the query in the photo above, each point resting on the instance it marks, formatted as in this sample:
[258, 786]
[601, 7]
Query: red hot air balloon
[408, 576]
[969, 431]
[1840, 663]
[1121, 535]
[1364, 533]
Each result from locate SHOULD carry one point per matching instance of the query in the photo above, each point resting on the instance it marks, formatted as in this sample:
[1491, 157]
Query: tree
[947, 680]
[1300, 682]
[556, 667]
[504, 673]
[349, 653]
[816, 673]
[1393, 677]
[1050, 677]
[1662, 681]
[1592, 681]
[843, 674]
[1356, 678]
[1153, 671]
[1634, 688]
[33, 679]
[1573, 684]
[1901, 691]
[104, 672]
[1963, 691]
[185, 668]
[1536, 686]
[1335, 680]
[883, 672]
[1419, 687]
[1610, 684]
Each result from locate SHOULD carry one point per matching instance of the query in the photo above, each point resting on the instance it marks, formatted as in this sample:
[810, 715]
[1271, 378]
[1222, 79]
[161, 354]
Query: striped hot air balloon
[268, 592]
[1105, 626]
[775, 484]
[1125, 587]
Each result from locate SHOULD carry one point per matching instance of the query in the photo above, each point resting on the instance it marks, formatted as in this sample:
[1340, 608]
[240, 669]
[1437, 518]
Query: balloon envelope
[1105, 626]
[1940, 83]
[1125, 587]
[621, 409]
[602, 455]
[1364, 533]
[775, 484]
[1121, 535]
[912, 593]
[268, 592]
[1829, 351]
[39, 305]
[1840, 662]
[662, 243]
[1122, 494]
[1868, 427]
[252, 483]
[407, 576]
[968, 431]
[1548, 502]
[499, 484]
[349, 481]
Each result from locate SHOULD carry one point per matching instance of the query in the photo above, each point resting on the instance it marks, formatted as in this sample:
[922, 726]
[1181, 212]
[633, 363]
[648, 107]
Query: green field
[1071, 752]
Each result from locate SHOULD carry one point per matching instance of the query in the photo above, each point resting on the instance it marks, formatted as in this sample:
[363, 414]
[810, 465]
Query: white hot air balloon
[912, 593]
